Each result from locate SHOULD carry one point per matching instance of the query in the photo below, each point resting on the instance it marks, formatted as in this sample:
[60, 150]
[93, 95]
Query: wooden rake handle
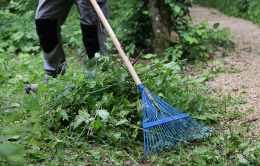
[116, 42]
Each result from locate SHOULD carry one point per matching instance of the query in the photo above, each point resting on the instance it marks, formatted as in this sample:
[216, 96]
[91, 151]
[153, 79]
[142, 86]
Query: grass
[39, 131]
[93, 117]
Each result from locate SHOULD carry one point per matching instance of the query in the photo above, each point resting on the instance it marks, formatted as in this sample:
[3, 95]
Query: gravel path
[243, 85]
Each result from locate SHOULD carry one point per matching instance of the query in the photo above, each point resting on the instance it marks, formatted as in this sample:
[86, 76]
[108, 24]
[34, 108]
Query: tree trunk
[161, 24]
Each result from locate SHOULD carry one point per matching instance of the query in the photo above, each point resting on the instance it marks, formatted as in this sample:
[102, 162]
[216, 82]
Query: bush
[198, 41]
[17, 29]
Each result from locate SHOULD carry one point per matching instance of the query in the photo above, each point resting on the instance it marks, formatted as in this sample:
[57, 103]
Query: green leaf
[104, 114]
[242, 160]
[230, 37]
[17, 35]
[157, 129]
[97, 155]
[207, 116]
[15, 105]
[77, 122]
[160, 65]
[115, 108]
[33, 105]
[85, 116]
[226, 29]
[2, 45]
[177, 10]
[131, 51]
[239, 102]
[240, 128]
[248, 151]
[90, 74]
[172, 65]
[12, 152]
[124, 112]
[250, 111]
[97, 55]
[146, 13]
[92, 102]
[93, 84]
[97, 124]
[147, 56]
[64, 114]
[98, 138]
[121, 122]
[117, 135]
[216, 25]
[202, 47]
[81, 78]
[168, 71]
[199, 80]
[243, 145]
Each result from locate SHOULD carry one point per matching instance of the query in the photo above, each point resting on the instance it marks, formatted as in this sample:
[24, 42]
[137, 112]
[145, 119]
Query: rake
[164, 127]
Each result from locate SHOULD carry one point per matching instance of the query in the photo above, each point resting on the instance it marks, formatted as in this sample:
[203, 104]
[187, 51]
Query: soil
[244, 83]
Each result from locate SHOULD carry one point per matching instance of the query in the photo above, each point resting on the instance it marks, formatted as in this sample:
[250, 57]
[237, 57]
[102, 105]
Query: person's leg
[94, 33]
[50, 15]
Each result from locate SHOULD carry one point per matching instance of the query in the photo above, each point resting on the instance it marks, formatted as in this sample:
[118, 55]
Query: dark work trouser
[51, 14]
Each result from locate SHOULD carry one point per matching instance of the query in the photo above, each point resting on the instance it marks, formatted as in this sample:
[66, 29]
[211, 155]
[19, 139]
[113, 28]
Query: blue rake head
[165, 127]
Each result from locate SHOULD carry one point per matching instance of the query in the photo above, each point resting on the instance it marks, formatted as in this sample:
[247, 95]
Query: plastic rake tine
[164, 126]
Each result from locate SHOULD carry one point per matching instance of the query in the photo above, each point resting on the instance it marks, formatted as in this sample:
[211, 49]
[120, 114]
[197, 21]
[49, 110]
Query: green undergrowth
[197, 42]
[94, 116]
[128, 20]
[94, 108]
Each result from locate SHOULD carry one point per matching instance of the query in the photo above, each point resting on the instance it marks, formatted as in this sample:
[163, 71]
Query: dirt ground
[243, 85]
